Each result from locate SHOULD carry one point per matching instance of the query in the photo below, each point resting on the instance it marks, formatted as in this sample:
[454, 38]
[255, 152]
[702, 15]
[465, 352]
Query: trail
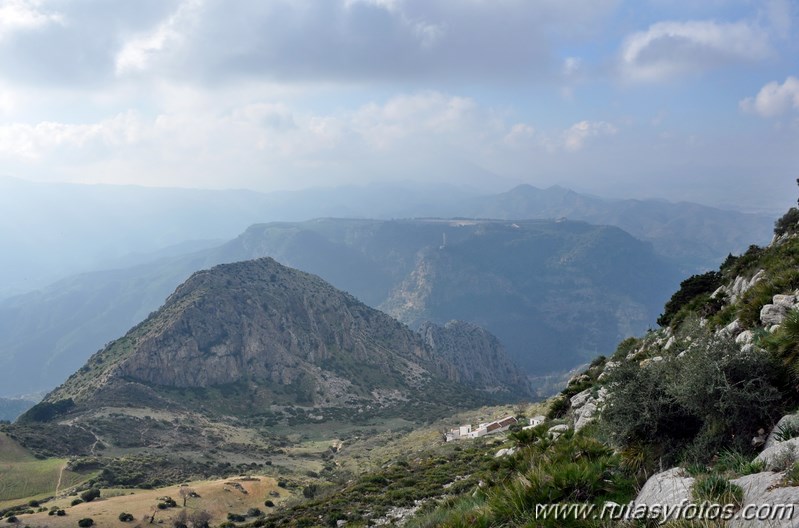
[60, 476]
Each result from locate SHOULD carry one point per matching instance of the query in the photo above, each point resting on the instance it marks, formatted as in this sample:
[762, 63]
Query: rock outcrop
[474, 356]
[262, 327]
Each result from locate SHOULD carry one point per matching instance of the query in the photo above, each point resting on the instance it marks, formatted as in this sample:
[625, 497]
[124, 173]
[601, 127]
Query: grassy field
[217, 497]
[22, 476]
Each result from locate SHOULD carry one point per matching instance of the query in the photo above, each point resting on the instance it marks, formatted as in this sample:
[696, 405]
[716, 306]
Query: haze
[679, 100]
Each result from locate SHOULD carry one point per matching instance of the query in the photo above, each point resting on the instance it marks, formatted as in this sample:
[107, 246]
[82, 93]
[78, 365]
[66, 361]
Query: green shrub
[787, 223]
[125, 517]
[558, 408]
[235, 517]
[714, 397]
[717, 489]
[90, 494]
[690, 288]
[787, 431]
[86, 522]
[75, 502]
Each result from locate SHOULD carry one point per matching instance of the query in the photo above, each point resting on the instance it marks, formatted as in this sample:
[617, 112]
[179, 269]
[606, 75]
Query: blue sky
[677, 99]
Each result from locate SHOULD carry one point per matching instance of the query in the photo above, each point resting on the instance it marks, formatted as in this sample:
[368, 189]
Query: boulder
[746, 337]
[780, 455]
[788, 301]
[580, 399]
[557, 430]
[765, 488]
[584, 415]
[773, 314]
[789, 420]
[505, 452]
[733, 328]
[671, 487]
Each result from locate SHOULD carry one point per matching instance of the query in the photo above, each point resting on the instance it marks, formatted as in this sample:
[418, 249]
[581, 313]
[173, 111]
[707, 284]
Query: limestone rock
[789, 420]
[773, 314]
[476, 356]
[671, 487]
[765, 488]
[780, 455]
[744, 338]
[557, 430]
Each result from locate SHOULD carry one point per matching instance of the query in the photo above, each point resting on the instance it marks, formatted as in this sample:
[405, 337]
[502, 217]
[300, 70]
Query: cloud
[574, 137]
[774, 99]
[294, 145]
[137, 53]
[16, 15]
[669, 49]
[352, 41]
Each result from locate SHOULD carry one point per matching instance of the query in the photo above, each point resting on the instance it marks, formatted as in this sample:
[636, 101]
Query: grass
[717, 489]
[218, 497]
[26, 477]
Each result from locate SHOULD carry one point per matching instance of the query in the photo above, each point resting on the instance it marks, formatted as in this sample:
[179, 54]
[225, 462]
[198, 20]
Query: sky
[676, 99]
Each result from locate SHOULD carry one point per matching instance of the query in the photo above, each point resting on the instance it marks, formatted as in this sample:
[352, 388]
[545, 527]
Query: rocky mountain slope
[555, 293]
[270, 335]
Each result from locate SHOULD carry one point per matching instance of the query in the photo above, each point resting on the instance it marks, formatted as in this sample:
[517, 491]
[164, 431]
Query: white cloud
[138, 52]
[33, 141]
[774, 98]
[668, 49]
[574, 137]
[18, 15]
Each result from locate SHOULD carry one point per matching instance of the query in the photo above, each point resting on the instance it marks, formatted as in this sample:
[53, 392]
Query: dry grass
[218, 497]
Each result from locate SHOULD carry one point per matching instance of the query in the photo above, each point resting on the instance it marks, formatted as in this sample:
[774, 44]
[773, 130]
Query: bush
[558, 408]
[716, 489]
[90, 494]
[714, 397]
[75, 502]
[235, 517]
[690, 289]
[84, 523]
[787, 223]
[125, 517]
[269, 504]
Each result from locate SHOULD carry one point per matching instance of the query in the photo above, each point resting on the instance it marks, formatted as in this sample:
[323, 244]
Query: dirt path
[60, 476]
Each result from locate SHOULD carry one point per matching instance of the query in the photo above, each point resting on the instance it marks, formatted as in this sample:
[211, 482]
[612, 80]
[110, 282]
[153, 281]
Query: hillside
[251, 338]
[701, 410]
[555, 293]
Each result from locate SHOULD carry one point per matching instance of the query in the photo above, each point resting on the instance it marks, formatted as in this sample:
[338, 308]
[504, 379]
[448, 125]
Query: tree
[200, 519]
[185, 493]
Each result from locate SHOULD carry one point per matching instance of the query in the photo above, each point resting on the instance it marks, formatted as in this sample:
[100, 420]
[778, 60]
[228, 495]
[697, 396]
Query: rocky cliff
[280, 335]
[474, 356]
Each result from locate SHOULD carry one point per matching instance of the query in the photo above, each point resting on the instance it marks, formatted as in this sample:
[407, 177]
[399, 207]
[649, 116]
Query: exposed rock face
[669, 488]
[475, 356]
[262, 325]
[766, 488]
[775, 313]
[585, 406]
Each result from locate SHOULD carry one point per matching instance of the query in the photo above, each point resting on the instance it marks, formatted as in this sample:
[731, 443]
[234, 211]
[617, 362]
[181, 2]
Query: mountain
[240, 339]
[695, 237]
[96, 227]
[139, 224]
[554, 293]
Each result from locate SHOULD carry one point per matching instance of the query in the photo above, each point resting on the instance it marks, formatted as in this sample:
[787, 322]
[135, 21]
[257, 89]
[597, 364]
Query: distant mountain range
[50, 231]
[693, 236]
[554, 293]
